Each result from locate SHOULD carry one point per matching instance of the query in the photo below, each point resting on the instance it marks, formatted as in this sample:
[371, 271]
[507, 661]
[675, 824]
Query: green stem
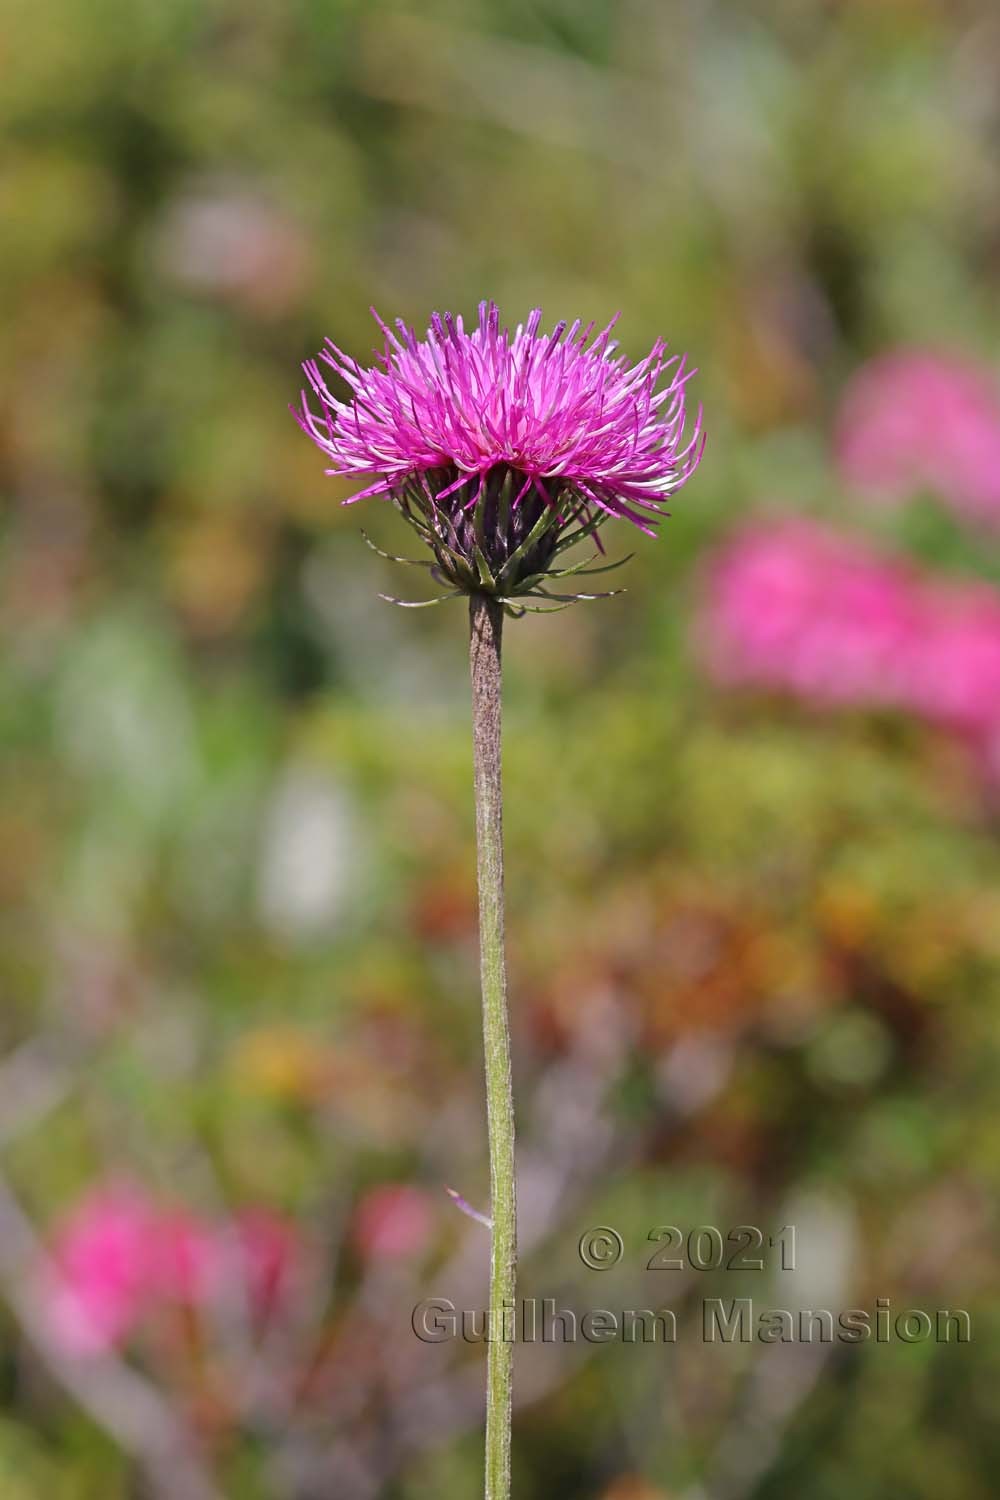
[485, 629]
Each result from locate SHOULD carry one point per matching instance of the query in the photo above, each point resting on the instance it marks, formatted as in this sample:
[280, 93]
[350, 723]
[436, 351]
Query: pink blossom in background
[223, 237]
[956, 677]
[270, 1250]
[392, 1222]
[100, 1271]
[182, 1256]
[916, 420]
[792, 605]
[795, 606]
[120, 1258]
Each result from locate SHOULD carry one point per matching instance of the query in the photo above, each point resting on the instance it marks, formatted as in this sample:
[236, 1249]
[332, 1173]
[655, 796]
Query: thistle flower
[502, 450]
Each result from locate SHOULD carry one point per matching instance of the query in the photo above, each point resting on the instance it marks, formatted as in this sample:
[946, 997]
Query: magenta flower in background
[791, 605]
[956, 670]
[392, 1222]
[914, 420]
[180, 1257]
[120, 1258]
[100, 1271]
[500, 446]
[269, 1256]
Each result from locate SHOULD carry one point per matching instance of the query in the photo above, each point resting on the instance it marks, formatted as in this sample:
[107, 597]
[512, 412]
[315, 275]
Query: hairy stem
[485, 628]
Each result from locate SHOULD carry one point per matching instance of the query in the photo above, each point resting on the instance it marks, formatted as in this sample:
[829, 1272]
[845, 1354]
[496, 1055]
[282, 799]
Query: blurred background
[753, 833]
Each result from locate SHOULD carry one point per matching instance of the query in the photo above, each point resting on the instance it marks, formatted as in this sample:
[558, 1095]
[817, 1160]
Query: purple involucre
[570, 422]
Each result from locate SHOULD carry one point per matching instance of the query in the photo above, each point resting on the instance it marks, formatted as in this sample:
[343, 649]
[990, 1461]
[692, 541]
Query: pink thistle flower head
[502, 449]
